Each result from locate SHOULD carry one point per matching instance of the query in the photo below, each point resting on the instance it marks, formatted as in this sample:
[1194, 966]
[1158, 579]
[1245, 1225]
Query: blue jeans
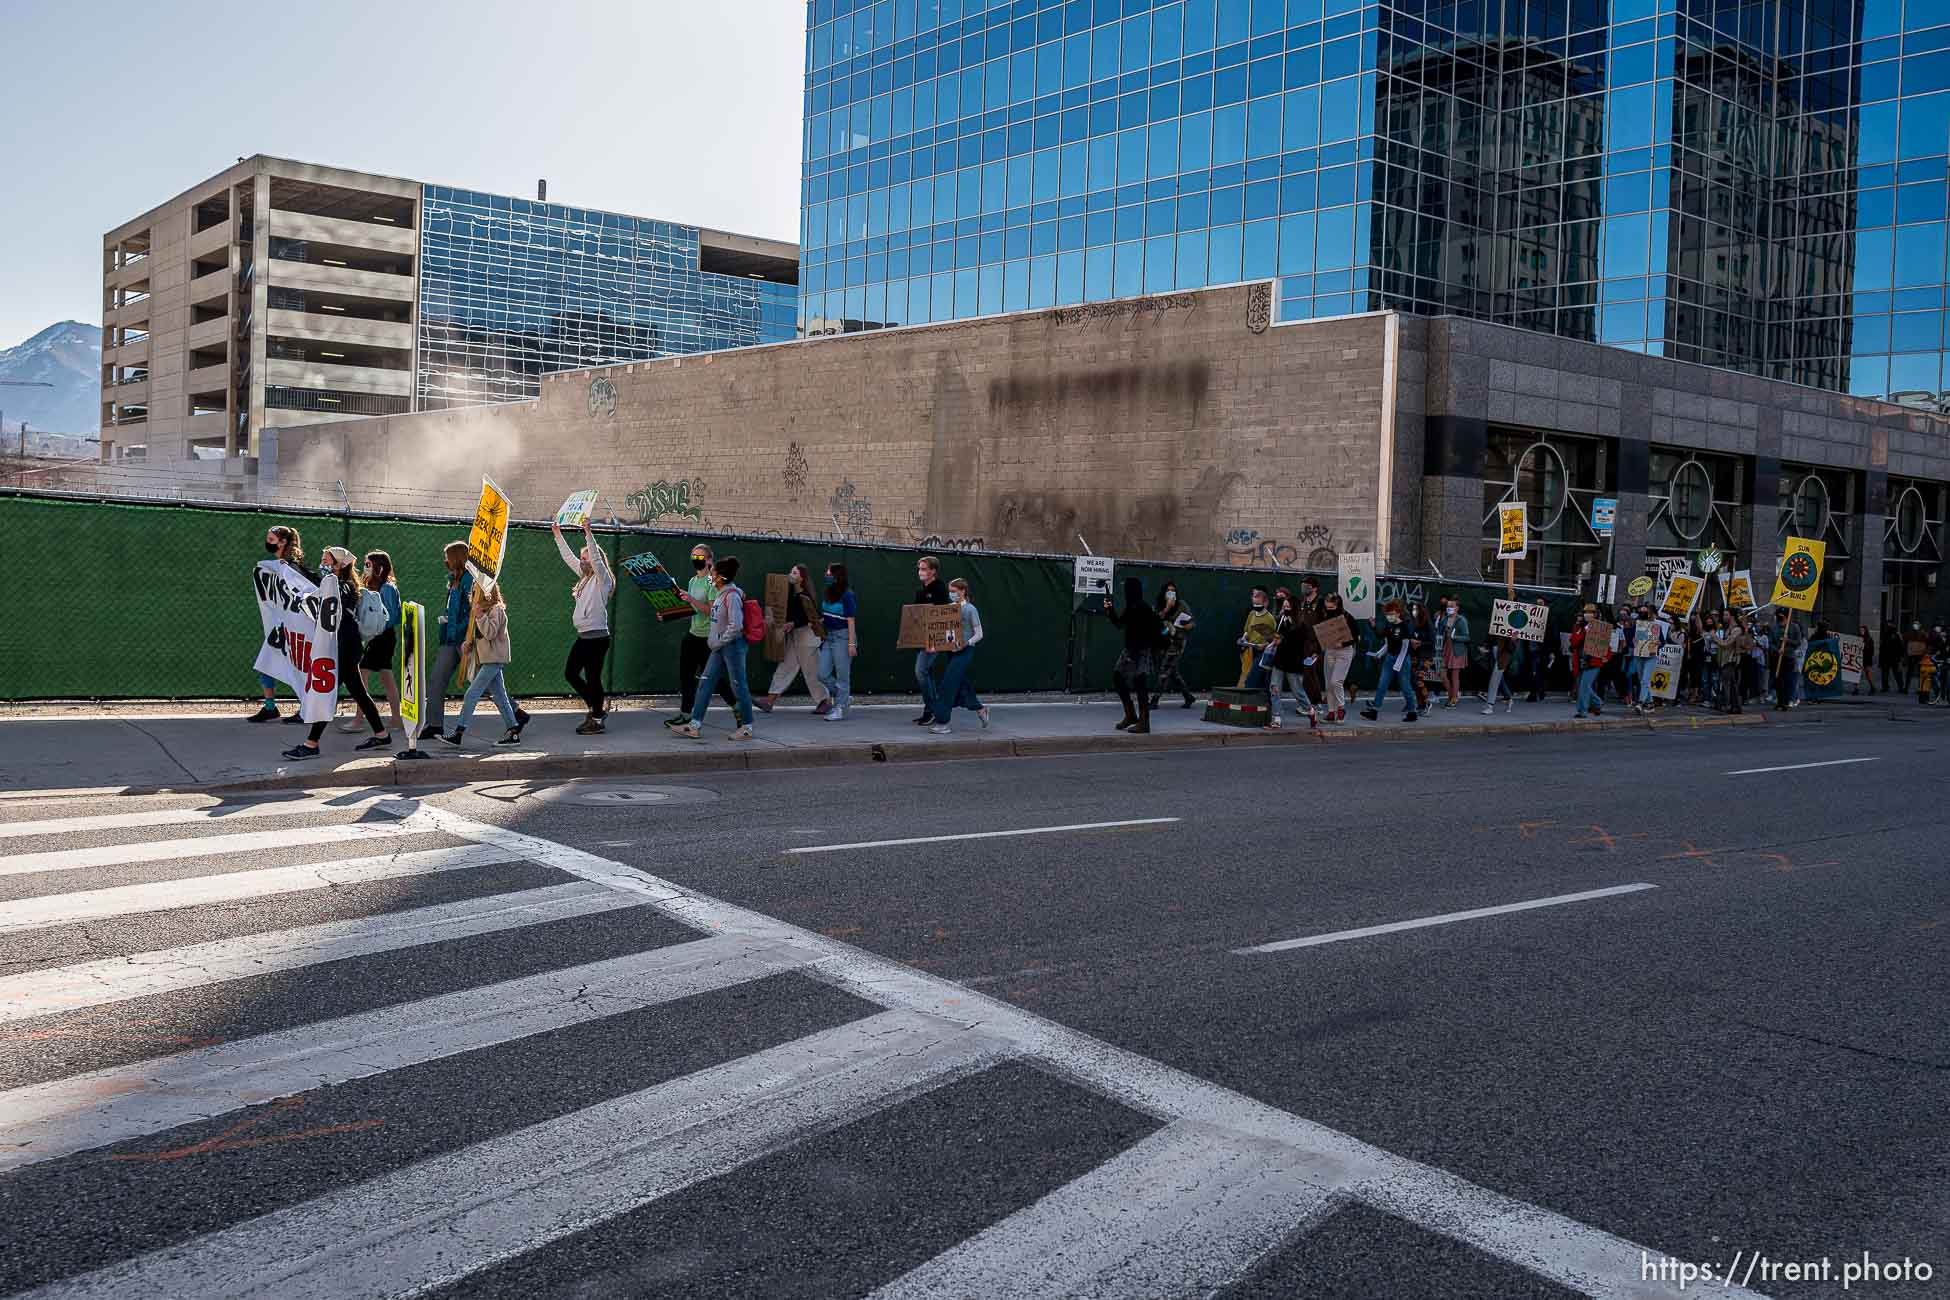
[924, 679]
[955, 691]
[836, 669]
[487, 679]
[1279, 683]
[728, 658]
[1401, 678]
[1587, 691]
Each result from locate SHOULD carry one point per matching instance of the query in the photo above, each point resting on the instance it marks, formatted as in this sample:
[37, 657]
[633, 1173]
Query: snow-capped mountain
[68, 356]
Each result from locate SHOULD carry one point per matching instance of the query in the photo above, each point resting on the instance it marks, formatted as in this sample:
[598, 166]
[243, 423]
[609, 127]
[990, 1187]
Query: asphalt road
[620, 1039]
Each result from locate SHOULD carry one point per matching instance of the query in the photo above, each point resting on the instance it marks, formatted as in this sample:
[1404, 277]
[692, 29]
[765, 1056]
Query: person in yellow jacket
[1254, 638]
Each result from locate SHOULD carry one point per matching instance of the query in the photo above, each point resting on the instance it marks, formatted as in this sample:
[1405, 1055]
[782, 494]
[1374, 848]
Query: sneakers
[822, 708]
[678, 720]
[1488, 709]
[983, 714]
[1410, 716]
[299, 753]
[521, 720]
[454, 737]
[835, 714]
[1313, 721]
[352, 725]
[925, 720]
[1370, 715]
[1273, 723]
[742, 733]
[382, 741]
[941, 729]
[688, 731]
[591, 726]
[296, 717]
[267, 712]
[1128, 723]
[765, 703]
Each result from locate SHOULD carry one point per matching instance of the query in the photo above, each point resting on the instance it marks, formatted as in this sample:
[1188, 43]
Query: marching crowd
[1301, 647]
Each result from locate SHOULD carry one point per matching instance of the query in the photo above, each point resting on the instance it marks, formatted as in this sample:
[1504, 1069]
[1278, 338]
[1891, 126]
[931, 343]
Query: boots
[1189, 700]
[1143, 727]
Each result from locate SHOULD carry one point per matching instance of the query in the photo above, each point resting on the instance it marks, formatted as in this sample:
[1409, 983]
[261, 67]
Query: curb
[459, 771]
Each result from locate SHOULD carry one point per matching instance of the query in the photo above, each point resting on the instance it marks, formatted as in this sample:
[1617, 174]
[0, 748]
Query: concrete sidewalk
[128, 747]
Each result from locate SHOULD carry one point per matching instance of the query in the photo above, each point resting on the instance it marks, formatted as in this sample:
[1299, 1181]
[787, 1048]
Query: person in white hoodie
[595, 583]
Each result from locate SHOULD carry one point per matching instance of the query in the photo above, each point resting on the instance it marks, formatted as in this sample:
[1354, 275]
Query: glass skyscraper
[1753, 184]
[512, 289]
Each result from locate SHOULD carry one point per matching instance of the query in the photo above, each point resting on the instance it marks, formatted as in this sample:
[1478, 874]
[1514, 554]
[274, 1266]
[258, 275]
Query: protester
[801, 645]
[1144, 633]
[452, 622]
[1915, 646]
[1732, 644]
[932, 591]
[339, 561]
[1294, 648]
[1253, 638]
[1422, 653]
[593, 586]
[1503, 651]
[1178, 621]
[379, 616]
[1790, 644]
[485, 660]
[956, 691]
[281, 543]
[1591, 654]
[1452, 647]
[1868, 662]
[694, 647]
[1336, 663]
[1890, 650]
[727, 637]
[1311, 611]
[1396, 652]
[839, 611]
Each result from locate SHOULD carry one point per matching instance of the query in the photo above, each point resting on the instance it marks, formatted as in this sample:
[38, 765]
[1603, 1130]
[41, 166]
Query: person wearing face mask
[281, 543]
[956, 691]
[1452, 647]
[593, 586]
[694, 647]
[1144, 633]
[1336, 663]
[452, 643]
[1421, 652]
[350, 646]
[1294, 648]
[1254, 638]
[1589, 654]
[839, 611]
[1395, 652]
[1176, 615]
[729, 649]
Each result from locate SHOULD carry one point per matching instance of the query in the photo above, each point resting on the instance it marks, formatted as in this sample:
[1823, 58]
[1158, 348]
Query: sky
[687, 110]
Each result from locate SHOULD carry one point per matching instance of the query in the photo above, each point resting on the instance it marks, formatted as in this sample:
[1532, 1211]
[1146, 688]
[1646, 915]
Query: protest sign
[1800, 579]
[1821, 671]
[1357, 583]
[1681, 596]
[575, 511]
[412, 640]
[487, 541]
[927, 627]
[777, 587]
[1645, 640]
[1513, 530]
[1850, 649]
[1664, 679]
[1639, 587]
[1739, 590]
[657, 586]
[1515, 618]
[301, 635]
[1597, 640]
[1093, 574]
[1333, 633]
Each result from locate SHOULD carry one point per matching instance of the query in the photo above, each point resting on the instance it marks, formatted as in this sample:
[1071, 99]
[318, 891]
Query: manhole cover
[625, 796]
[621, 796]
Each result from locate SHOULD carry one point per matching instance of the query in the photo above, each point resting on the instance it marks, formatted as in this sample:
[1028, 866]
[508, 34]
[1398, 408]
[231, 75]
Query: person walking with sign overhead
[281, 543]
[1144, 634]
[485, 660]
[1790, 643]
[694, 647]
[593, 587]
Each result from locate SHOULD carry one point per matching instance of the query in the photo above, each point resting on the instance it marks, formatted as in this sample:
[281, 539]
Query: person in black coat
[1144, 634]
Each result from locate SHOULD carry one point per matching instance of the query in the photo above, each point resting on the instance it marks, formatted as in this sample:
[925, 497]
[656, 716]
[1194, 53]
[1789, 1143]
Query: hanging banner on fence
[1682, 596]
[1513, 530]
[657, 586]
[1800, 580]
[412, 640]
[1664, 679]
[1821, 671]
[1515, 618]
[1357, 583]
[575, 511]
[1850, 650]
[1604, 515]
[1645, 639]
[1333, 633]
[487, 541]
[301, 635]
[1093, 575]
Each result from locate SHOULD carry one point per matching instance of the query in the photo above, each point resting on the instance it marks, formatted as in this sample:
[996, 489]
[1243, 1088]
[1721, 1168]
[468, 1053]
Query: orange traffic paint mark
[229, 1141]
[1931, 925]
[1694, 851]
[1528, 830]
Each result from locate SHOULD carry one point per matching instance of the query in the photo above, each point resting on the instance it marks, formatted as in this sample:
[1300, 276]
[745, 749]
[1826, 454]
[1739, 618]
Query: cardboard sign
[1645, 640]
[1738, 588]
[1513, 529]
[1357, 583]
[1800, 579]
[1639, 587]
[1682, 596]
[1604, 515]
[301, 636]
[1334, 633]
[487, 541]
[575, 511]
[1517, 619]
[1850, 650]
[1821, 671]
[1093, 574]
[1663, 681]
[412, 640]
[927, 627]
[777, 588]
[1597, 636]
[657, 586]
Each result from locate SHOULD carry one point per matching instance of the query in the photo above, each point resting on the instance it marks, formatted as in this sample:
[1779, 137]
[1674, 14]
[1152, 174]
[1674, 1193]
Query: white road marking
[117, 979]
[1183, 1213]
[1796, 767]
[413, 1230]
[984, 835]
[213, 814]
[1447, 918]
[117, 855]
[1556, 1247]
[44, 1121]
[50, 910]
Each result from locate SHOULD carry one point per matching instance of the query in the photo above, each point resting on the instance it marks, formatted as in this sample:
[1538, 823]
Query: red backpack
[754, 620]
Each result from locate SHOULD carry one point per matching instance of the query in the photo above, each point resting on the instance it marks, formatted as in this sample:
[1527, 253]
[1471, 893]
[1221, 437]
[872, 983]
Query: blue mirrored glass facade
[512, 289]
[1753, 184]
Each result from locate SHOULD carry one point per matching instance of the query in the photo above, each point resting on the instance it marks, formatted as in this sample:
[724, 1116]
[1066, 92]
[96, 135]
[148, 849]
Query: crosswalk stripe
[1184, 1212]
[117, 979]
[49, 910]
[214, 814]
[116, 855]
[44, 1121]
[417, 1228]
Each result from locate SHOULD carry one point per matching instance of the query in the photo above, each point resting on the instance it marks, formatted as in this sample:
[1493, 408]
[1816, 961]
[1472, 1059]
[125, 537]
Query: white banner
[1664, 672]
[1851, 656]
[301, 625]
[1515, 618]
[1093, 574]
[1357, 583]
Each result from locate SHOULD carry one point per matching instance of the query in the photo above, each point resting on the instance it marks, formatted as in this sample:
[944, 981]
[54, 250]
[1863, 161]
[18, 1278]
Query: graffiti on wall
[602, 397]
[683, 498]
[936, 542]
[795, 469]
[852, 513]
[1312, 547]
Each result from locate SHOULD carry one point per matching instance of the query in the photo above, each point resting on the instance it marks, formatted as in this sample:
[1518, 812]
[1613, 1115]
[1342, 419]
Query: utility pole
[21, 383]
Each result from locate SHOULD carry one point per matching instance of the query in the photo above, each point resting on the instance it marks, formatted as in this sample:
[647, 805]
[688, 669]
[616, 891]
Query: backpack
[754, 621]
[371, 615]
